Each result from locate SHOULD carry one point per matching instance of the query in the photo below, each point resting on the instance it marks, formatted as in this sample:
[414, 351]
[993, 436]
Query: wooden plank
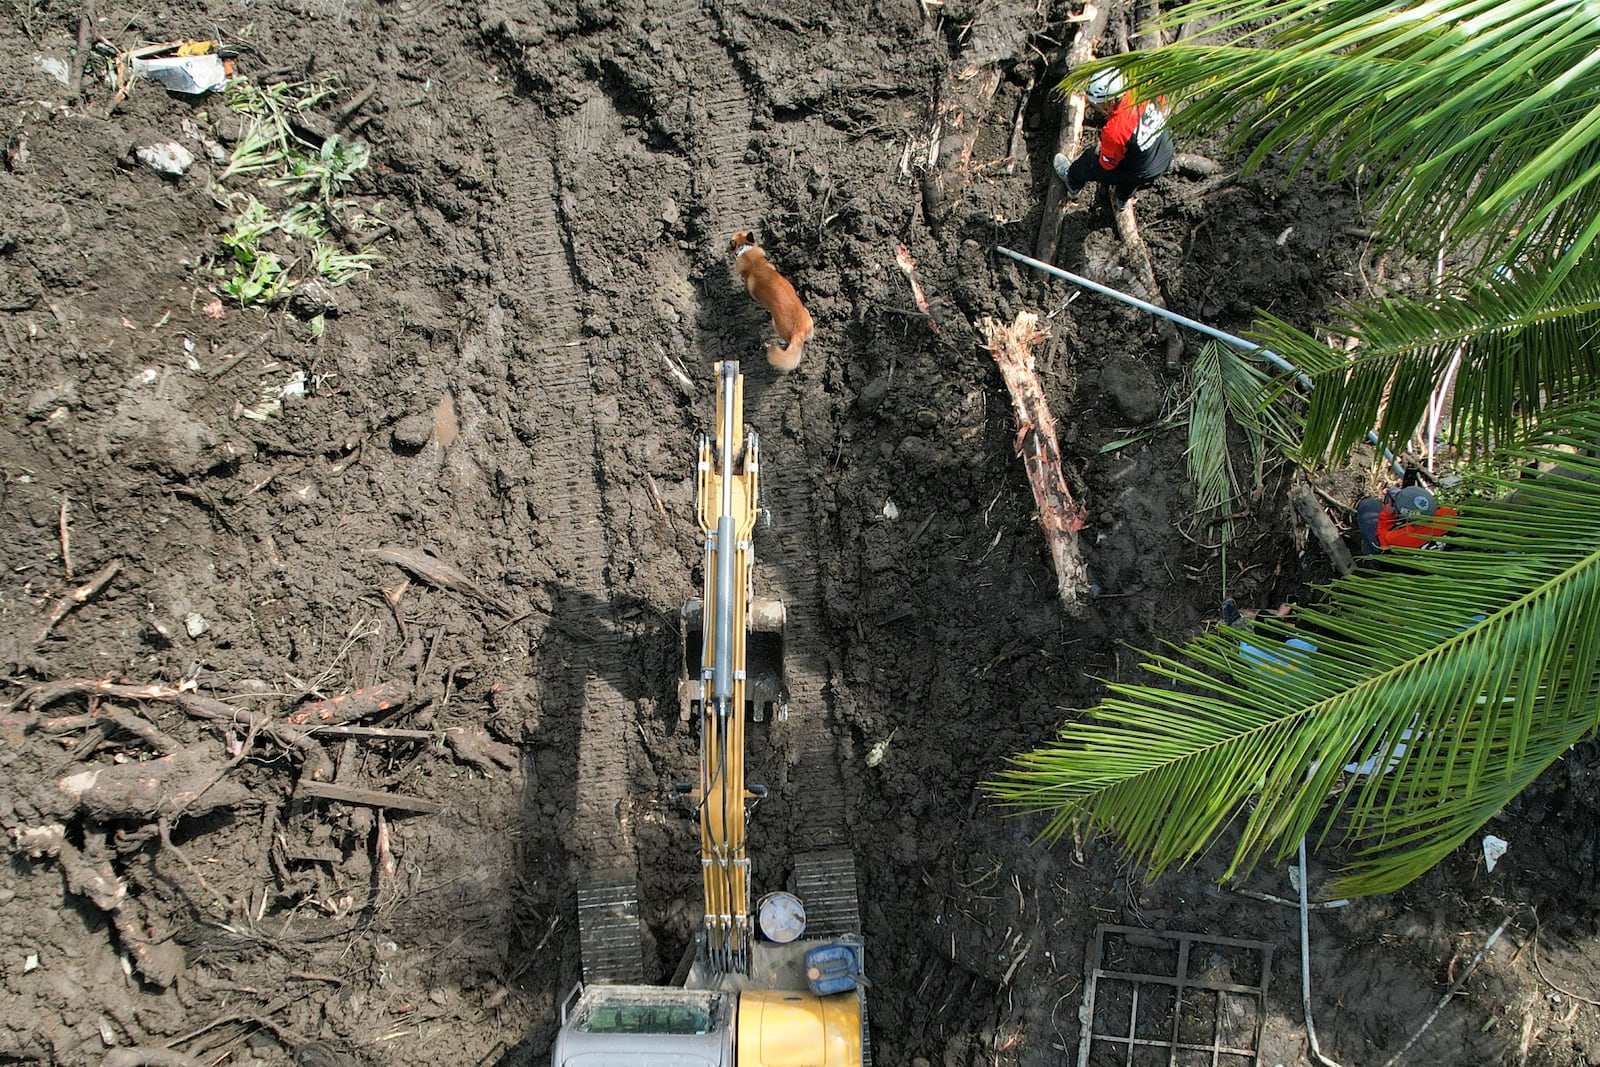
[371, 798]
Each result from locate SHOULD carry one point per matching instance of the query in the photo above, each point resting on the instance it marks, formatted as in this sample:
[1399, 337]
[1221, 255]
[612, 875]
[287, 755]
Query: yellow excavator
[780, 985]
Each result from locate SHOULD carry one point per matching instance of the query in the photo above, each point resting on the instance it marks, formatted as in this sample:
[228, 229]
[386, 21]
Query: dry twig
[66, 537]
[67, 601]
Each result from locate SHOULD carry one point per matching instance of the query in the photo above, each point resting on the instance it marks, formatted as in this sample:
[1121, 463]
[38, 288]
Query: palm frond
[1229, 384]
[1482, 662]
[1520, 349]
[1478, 120]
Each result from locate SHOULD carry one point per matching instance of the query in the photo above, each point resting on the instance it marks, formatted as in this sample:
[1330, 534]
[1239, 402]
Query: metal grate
[608, 932]
[1158, 998]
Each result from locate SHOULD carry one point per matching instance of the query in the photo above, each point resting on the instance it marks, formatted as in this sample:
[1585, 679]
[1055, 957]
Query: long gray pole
[1172, 316]
[1183, 320]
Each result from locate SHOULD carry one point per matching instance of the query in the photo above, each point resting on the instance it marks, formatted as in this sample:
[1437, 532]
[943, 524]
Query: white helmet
[1105, 86]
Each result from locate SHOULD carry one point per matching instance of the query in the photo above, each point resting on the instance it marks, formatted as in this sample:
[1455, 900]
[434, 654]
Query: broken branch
[438, 573]
[1059, 515]
[350, 707]
[80, 595]
[1071, 136]
[371, 798]
[1306, 506]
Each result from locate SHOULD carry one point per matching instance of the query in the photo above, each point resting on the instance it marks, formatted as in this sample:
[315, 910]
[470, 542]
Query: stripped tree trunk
[1059, 515]
[1327, 533]
[1144, 270]
[1071, 139]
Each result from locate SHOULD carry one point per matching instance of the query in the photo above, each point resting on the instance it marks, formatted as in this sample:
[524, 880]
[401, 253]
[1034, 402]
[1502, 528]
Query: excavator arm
[728, 505]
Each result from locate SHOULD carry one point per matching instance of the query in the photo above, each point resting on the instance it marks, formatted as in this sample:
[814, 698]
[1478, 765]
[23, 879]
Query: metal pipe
[1183, 320]
[727, 549]
[1172, 316]
[1305, 967]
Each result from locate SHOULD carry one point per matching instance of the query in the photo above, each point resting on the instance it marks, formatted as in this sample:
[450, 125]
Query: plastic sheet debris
[183, 74]
[1493, 848]
[55, 68]
[192, 67]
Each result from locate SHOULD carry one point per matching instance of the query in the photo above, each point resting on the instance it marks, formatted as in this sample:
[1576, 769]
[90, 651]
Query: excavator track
[579, 661]
[825, 882]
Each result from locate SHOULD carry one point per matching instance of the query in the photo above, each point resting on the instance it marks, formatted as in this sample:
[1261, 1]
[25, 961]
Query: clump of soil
[376, 652]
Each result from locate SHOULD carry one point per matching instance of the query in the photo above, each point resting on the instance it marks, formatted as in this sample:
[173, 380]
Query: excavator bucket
[766, 691]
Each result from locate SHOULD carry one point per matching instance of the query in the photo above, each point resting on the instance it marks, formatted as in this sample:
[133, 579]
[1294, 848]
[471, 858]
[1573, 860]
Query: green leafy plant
[336, 267]
[305, 180]
[1228, 386]
[336, 163]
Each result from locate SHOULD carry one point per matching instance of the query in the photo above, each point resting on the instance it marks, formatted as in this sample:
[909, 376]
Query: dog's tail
[787, 357]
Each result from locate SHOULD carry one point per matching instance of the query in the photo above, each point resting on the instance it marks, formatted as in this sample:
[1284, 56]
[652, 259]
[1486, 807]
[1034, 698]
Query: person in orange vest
[1134, 150]
[1407, 517]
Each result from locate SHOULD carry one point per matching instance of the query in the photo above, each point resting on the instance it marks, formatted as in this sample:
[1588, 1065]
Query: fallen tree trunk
[1139, 253]
[187, 782]
[1070, 140]
[999, 33]
[1305, 504]
[1059, 515]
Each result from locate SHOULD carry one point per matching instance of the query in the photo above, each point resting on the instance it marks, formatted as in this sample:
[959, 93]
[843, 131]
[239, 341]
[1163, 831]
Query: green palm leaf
[1518, 349]
[1483, 662]
[1229, 384]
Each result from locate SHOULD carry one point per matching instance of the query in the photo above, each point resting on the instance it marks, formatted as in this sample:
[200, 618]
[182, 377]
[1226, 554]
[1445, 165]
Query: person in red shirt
[1134, 150]
[1407, 517]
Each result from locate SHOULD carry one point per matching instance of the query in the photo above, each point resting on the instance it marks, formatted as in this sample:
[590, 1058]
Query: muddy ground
[516, 388]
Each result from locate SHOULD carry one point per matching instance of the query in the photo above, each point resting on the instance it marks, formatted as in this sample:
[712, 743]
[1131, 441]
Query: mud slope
[456, 493]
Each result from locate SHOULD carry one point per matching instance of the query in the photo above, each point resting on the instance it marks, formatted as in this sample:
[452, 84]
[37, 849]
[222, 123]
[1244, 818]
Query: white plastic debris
[891, 510]
[1493, 848]
[183, 74]
[30, 962]
[273, 396]
[168, 157]
[1388, 758]
[876, 753]
[55, 68]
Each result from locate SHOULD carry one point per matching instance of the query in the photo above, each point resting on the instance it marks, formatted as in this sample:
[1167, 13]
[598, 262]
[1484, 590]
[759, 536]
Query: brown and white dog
[762, 281]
